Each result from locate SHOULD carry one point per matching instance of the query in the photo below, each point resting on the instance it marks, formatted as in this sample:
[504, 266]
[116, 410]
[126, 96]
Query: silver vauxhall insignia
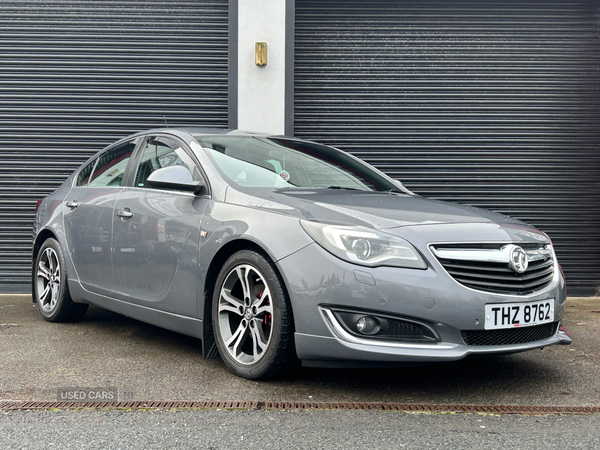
[270, 248]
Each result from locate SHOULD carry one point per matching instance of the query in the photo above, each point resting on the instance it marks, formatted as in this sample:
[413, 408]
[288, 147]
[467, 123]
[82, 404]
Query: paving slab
[106, 349]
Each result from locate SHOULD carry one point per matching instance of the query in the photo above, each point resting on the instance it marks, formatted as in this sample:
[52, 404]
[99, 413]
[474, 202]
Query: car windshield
[289, 163]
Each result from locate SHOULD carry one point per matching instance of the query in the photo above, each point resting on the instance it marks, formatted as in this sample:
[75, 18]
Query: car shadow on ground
[500, 379]
[109, 349]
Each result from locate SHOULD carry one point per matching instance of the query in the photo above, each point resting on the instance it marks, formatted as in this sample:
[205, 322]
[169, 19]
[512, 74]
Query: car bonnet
[373, 209]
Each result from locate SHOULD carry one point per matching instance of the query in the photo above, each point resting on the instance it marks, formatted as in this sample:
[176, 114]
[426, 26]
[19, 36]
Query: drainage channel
[372, 406]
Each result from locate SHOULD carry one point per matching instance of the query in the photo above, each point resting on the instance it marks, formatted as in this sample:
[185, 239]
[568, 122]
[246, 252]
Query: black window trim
[92, 161]
[129, 177]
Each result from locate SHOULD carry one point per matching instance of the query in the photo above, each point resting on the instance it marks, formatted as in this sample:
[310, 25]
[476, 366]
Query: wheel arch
[40, 239]
[209, 347]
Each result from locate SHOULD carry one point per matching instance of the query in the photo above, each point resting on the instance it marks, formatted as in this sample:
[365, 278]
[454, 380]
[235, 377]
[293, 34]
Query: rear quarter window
[84, 176]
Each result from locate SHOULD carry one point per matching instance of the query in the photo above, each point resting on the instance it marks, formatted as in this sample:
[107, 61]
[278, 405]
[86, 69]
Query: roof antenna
[166, 123]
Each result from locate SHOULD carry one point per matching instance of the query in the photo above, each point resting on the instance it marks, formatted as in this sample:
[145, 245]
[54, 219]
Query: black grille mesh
[510, 336]
[402, 329]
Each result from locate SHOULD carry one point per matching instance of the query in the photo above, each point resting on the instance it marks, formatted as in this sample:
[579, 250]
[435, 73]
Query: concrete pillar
[262, 98]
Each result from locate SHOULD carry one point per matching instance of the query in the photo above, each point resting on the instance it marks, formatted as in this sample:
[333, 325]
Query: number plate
[511, 315]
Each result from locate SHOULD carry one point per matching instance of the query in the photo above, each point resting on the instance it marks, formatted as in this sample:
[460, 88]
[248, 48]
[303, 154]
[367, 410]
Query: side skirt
[189, 326]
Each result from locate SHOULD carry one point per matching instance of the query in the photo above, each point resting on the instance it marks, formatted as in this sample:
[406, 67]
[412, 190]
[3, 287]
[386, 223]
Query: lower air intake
[510, 336]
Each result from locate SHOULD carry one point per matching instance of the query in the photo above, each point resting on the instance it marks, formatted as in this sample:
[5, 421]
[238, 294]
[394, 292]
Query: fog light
[368, 325]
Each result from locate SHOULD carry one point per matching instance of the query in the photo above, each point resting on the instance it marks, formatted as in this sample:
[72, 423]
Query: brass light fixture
[260, 53]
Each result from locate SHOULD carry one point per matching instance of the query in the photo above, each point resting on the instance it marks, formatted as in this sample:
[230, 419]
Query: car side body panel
[49, 222]
[88, 226]
[155, 251]
[276, 235]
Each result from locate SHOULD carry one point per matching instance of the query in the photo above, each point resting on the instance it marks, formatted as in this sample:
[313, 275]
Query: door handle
[125, 213]
[72, 204]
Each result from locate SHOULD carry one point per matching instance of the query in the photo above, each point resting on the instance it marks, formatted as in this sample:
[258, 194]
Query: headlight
[364, 246]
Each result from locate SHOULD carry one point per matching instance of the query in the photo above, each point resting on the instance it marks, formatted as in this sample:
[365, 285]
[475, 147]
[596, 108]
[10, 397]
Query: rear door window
[111, 165]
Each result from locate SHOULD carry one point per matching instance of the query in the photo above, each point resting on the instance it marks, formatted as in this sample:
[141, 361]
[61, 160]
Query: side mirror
[174, 177]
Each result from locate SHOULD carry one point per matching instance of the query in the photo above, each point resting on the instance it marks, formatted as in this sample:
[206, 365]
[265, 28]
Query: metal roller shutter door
[77, 75]
[490, 103]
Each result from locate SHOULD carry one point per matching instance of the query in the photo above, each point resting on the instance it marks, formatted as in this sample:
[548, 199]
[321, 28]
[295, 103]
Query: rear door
[88, 218]
[156, 234]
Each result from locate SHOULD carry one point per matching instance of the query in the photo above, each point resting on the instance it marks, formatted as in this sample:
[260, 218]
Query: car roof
[207, 131]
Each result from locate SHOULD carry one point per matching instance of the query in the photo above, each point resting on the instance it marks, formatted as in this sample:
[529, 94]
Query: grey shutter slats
[77, 75]
[494, 104]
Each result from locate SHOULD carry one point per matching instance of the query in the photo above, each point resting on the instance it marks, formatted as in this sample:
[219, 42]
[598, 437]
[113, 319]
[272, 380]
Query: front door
[156, 235]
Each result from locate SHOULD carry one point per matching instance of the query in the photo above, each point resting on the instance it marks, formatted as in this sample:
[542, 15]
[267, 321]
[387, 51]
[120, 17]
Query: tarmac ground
[106, 349]
[222, 429]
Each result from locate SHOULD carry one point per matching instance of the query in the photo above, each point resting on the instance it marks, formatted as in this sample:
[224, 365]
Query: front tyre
[252, 317]
[50, 285]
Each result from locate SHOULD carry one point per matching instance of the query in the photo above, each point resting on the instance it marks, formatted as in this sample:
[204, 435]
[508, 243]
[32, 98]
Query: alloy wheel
[245, 314]
[48, 280]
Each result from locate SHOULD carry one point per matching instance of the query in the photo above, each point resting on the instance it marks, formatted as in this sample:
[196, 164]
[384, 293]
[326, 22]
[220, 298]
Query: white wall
[261, 90]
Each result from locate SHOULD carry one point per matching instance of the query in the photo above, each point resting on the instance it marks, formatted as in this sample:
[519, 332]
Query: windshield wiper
[398, 191]
[342, 187]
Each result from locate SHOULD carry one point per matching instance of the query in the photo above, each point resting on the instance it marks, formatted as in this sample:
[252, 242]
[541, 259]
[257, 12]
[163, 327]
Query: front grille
[498, 277]
[510, 336]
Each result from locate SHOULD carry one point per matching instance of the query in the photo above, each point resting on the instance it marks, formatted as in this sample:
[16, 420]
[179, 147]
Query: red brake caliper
[267, 315]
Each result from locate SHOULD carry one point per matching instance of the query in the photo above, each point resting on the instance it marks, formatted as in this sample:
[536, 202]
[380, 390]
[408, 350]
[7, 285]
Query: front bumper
[316, 280]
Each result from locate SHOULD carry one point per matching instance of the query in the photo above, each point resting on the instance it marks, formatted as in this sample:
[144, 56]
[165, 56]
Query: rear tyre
[252, 317]
[50, 287]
